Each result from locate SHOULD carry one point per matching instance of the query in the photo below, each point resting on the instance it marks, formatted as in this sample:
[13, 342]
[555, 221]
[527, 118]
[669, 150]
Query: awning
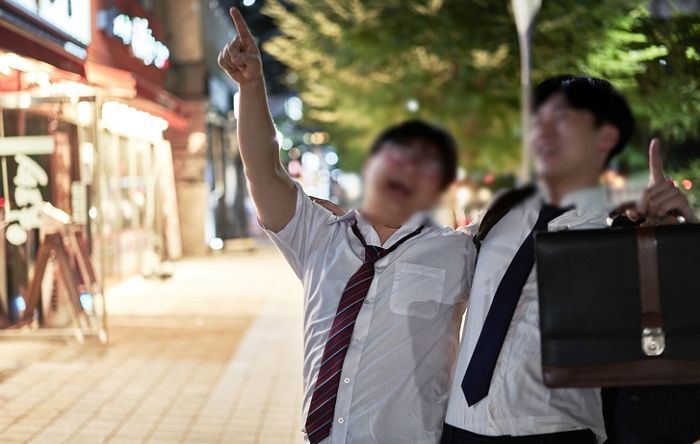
[15, 39]
[146, 95]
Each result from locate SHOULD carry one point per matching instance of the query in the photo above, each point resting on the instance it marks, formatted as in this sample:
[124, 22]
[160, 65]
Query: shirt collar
[368, 232]
[586, 200]
[415, 221]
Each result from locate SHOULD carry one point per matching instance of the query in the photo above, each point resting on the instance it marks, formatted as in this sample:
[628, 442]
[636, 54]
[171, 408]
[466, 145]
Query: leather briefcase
[620, 306]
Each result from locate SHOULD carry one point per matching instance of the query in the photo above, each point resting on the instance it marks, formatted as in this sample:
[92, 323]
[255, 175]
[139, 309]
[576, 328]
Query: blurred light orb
[484, 194]
[412, 105]
[351, 183]
[461, 173]
[86, 302]
[287, 144]
[464, 196]
[20, 304]
[319, 138]
[331, 158]
[335, 174]
[216, 244]
[248, 3]
[294, 153]
[687, 184]
[294, 108]
[310, 161]
[294, 168]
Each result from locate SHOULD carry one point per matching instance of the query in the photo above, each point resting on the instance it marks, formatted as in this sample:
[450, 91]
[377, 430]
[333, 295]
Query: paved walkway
[212, 355]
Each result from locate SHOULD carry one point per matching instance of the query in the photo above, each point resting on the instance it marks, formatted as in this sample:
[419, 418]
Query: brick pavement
[212, 355]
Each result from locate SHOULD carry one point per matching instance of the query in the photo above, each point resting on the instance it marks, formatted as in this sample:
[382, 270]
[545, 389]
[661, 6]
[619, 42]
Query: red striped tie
[320, 417]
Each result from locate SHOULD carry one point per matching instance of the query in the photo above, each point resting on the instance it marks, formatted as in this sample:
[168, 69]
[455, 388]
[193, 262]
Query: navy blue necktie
[477, 378]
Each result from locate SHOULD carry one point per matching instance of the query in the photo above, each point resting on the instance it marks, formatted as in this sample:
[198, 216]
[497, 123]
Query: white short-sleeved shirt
[397, 372]
[518, 402]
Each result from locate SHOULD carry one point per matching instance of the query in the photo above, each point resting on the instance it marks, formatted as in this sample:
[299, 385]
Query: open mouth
[545, 152]
[399, 189]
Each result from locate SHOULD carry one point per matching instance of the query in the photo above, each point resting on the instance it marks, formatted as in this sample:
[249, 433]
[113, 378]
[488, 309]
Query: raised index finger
[241, 25]
[656, 164]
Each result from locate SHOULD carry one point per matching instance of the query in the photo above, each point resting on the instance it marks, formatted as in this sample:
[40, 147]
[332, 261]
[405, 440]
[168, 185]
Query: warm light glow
[216, 244]
[464, 196]
[687, 184]
[25, 100]
[84, 113]
[351, 183]
[130, 122]
[484, 194]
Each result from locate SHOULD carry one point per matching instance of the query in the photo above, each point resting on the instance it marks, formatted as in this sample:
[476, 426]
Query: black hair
[598, 96]
[418, 130]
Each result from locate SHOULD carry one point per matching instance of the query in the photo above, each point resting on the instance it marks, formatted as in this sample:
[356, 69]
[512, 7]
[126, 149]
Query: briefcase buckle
[653, 341]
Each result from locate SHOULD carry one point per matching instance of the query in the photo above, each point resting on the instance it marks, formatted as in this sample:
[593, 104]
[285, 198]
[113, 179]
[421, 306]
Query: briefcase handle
[653, 336]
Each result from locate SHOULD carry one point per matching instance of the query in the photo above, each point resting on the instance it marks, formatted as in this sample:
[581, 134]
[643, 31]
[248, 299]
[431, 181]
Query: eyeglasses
[425, 162]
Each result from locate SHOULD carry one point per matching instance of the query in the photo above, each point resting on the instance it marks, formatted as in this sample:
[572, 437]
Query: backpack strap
[499, 208]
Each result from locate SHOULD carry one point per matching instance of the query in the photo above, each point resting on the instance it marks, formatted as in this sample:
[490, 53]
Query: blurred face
[566, 143]
[402, 179]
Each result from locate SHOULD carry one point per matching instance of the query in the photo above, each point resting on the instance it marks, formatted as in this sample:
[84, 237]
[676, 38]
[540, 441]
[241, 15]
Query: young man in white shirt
[385, 287]
[497, 393]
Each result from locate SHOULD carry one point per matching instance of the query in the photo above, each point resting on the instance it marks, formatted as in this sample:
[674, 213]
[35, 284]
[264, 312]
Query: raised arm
[271, 187]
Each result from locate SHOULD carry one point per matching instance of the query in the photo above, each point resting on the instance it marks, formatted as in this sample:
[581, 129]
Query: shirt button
[498, 364]
[492, 408]
[367, 301]
[346, 380]
[341, 420]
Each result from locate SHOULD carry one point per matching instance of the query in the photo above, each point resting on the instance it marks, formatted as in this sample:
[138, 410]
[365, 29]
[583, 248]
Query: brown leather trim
[656, 371]
[649, 278]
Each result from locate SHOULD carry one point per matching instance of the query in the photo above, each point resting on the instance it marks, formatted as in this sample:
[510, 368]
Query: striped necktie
[477, 378]
[320, 418]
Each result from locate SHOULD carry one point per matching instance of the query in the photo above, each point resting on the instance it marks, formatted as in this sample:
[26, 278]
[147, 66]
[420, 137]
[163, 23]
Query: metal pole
[525, 100]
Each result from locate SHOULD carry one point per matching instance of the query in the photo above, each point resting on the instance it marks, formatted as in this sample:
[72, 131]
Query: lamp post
[525, 12]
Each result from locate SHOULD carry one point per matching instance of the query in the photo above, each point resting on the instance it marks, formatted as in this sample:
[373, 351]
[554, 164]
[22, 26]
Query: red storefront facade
[82, 97]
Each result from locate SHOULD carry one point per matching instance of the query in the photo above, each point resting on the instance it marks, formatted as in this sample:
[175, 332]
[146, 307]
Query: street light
[525, 12]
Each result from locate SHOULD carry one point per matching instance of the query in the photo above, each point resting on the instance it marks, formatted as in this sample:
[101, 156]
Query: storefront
[84, 111]
[134, 180]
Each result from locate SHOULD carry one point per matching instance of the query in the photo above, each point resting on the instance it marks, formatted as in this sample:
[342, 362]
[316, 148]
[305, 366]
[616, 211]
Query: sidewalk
[212, 355]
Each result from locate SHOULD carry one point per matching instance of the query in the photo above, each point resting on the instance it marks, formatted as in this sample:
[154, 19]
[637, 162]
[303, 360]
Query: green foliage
[359, 62]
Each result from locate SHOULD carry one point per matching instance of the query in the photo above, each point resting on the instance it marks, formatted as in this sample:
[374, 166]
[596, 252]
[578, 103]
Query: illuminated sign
[27, 215]
[135, 33]
[71, 17]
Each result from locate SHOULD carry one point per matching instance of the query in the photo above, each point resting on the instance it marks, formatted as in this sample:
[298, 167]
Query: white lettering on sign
[28, 199]
[136, 33]
[69, 16]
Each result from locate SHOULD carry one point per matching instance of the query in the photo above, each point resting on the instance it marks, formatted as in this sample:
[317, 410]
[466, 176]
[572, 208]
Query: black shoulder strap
[499, 208]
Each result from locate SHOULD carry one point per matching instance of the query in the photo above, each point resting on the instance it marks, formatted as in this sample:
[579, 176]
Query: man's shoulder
[448, 240]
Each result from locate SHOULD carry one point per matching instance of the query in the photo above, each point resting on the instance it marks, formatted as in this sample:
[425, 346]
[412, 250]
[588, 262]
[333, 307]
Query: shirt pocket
[417, 290]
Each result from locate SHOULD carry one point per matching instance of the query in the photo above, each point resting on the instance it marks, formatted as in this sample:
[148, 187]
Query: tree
[362, 65]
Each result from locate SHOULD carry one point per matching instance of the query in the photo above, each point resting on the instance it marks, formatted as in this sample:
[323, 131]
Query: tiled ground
[212, 355]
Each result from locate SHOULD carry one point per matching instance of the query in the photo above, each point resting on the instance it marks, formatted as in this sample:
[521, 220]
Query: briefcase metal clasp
[653, 341]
